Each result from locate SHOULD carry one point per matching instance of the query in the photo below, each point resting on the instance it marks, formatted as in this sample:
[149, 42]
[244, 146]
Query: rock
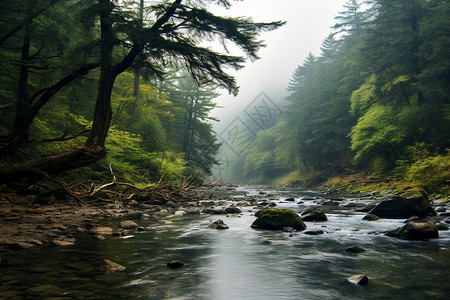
[416, 231]
[330, 203]
[445, 214]
[233, 210]
[350, 205]
[80, 230]
[289, 199]
[399, 207]
[170, 204]
[257, 213]
[277, 219]
[441, 226]
[140, 228]
[313, 214]
[102, 230]
[272, 204]
[371, 217]
[412, 219]
[62, 243]
[355, 249]
[213, 211]
[440, 209]
[358, 279]
[110, 266]
[20, 246]
[366, 208]
[288, 229]
[132, 215]
[314, 232]
[175, 264]
[133, 203]
[219, 224]
[34, 242]
[128, 225]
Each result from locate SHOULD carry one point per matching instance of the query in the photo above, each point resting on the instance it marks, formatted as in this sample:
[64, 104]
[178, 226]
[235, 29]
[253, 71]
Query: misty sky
[308, 24]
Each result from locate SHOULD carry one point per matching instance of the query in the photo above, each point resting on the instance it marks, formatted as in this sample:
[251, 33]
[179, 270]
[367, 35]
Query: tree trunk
[103, 111]
[38, 168]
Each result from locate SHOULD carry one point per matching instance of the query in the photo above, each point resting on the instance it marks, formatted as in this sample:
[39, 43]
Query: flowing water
[238, 263]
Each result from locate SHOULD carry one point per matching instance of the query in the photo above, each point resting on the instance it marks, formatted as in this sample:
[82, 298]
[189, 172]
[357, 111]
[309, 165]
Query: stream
[240, 262]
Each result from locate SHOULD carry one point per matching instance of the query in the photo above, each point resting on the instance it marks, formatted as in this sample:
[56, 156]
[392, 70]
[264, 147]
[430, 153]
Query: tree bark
[38, 168]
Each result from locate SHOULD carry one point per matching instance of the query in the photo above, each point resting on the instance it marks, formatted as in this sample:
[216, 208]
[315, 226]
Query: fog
[308, 23]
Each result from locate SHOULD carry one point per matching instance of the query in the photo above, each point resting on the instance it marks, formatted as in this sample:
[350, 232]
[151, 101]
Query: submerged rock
[175, 264]
[314, 232]
[416, 231]
[110, 266]
[355, 249]
[358, 279]
[219, 224]
[399, 207]
[277, 219]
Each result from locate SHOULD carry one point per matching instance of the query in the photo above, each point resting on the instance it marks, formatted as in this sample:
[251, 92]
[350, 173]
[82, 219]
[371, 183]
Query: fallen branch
[96, 190]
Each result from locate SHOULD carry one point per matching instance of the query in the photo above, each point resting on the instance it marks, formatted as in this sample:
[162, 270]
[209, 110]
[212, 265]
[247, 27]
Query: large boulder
[401, 207]
[416, 231]
[277, 219]
[313, 214]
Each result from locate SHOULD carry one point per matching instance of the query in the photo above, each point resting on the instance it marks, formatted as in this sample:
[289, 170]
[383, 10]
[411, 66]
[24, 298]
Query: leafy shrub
[431, 173]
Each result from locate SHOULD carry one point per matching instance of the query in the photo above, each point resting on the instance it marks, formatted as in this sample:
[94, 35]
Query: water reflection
[238, 263]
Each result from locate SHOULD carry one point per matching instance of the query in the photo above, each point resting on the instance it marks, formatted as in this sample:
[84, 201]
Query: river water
[238, 263]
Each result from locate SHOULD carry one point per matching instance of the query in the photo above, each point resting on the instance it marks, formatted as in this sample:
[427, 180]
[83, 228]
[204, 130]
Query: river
[238, 263]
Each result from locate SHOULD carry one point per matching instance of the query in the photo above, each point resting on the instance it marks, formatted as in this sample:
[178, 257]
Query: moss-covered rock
[277, 219]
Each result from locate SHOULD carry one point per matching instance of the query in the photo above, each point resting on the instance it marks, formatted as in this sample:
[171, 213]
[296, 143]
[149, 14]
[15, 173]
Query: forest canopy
[375, 101]
[82, 80]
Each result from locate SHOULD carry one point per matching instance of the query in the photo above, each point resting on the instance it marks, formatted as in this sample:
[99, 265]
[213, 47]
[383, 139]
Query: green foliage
[376, 134]
[377, 97]
[364, 97]
[431, 173]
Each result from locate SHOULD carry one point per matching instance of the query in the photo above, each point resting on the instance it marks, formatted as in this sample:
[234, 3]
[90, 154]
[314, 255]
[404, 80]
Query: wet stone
[219, 224]
[355, 249]
[314, 232]
[358, 279]
[175, 264]
[370, 217]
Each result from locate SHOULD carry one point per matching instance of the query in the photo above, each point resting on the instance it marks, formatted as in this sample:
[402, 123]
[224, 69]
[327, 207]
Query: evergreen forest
[101, 88]
[373, 105]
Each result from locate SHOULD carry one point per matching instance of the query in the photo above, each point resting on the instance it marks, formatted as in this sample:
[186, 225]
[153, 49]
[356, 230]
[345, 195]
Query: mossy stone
[277, 219]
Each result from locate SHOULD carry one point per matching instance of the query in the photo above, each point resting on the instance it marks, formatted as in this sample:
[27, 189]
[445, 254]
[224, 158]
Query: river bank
[24, 225]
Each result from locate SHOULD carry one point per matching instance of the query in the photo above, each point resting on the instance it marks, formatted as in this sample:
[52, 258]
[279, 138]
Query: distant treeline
[375, 101]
